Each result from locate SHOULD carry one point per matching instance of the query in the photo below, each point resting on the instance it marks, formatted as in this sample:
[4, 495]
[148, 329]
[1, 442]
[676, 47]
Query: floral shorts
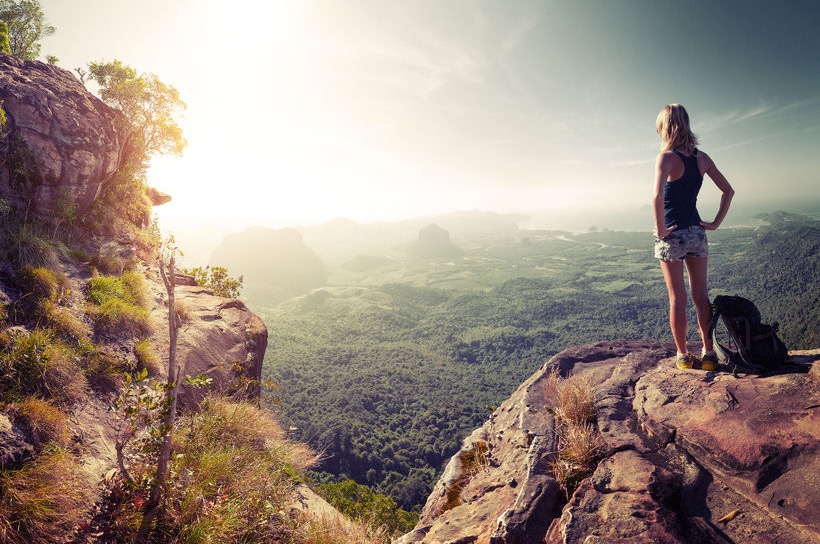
[681, 243]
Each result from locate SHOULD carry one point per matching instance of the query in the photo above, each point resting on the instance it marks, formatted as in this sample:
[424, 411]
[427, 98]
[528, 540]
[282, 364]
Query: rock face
[690, 457]
[14, 448]
[72, 141]
[219, 338]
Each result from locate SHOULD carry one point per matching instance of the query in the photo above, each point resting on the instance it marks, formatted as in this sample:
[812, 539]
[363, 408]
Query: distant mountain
[275, 261]
[341, 239]
[434, 243]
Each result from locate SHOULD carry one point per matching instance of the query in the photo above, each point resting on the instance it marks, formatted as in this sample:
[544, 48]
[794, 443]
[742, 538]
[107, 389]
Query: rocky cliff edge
[690, 457]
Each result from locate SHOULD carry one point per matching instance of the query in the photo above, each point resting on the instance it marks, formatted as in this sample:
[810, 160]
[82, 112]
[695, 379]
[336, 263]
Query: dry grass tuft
[233, 475]
[552, 387]
[575, 402]
[43, 422]
[43, 501]
[182, 312]
[579, 444]
[333, 530]
[146, 356]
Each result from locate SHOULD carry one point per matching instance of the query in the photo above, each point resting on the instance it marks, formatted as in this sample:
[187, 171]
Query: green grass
[29, 248]
[118, 305]
[38, 363]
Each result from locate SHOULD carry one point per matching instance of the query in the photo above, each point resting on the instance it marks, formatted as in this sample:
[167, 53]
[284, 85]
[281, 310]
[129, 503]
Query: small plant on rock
[218, 279]
[580, 445]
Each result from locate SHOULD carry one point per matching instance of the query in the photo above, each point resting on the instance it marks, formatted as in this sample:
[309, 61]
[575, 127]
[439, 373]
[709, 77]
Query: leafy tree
[359, 502]
[150, 105]
[151, 108]
[26, 27]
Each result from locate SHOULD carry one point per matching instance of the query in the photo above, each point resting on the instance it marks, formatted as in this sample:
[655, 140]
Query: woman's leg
[696, 266]
[673, 276]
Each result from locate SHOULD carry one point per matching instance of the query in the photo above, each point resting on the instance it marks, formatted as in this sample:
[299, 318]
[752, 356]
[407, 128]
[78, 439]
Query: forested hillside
[389, 365]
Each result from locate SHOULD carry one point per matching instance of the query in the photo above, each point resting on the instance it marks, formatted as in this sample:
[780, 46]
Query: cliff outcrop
[219, 338]
[688, 457]
[61, 141]
[60, 146]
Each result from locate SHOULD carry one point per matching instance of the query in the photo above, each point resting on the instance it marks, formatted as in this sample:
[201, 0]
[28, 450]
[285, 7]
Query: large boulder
[219, 338]
[690, 456]
[61, 144]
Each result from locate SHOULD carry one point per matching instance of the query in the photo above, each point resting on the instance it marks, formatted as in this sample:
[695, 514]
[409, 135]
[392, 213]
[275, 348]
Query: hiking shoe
[709, 362]
[685, 362]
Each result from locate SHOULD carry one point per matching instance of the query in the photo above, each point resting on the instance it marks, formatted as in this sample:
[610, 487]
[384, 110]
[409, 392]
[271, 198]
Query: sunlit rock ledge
[689, 457]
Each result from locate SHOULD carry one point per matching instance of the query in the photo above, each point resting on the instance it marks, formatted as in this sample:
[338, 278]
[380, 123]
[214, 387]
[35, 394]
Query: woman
[680, 237]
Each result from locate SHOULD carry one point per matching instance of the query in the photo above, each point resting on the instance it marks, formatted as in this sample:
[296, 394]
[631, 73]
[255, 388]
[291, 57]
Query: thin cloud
[519, 34]
[715, 123]
[761, 112]
[772, 136]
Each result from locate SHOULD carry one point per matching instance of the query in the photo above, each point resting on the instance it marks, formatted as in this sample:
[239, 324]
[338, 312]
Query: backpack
[746, 341]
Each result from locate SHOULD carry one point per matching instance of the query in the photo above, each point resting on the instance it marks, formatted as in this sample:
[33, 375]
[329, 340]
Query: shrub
[38, 363]
[232, 478]
[43, 501]
[122, 205]
[217, 279]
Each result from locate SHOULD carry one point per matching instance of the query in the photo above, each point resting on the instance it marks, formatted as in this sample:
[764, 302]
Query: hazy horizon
[300, 112]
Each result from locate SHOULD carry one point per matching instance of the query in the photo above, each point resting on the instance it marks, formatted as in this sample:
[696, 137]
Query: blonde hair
[673, 127]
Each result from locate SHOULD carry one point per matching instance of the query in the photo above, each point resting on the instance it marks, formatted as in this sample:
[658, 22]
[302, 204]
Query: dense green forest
[390, 364]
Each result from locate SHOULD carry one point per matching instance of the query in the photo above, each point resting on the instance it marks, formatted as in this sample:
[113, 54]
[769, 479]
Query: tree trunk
[152, 507]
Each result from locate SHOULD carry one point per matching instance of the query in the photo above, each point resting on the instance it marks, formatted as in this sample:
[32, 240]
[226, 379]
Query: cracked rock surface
[73, 142]
[690, 457]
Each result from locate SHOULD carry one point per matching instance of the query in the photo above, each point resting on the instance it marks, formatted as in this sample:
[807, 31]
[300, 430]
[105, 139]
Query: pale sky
[303, 111]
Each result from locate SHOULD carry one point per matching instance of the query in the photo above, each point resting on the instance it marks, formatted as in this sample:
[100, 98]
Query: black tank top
[680, 197]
